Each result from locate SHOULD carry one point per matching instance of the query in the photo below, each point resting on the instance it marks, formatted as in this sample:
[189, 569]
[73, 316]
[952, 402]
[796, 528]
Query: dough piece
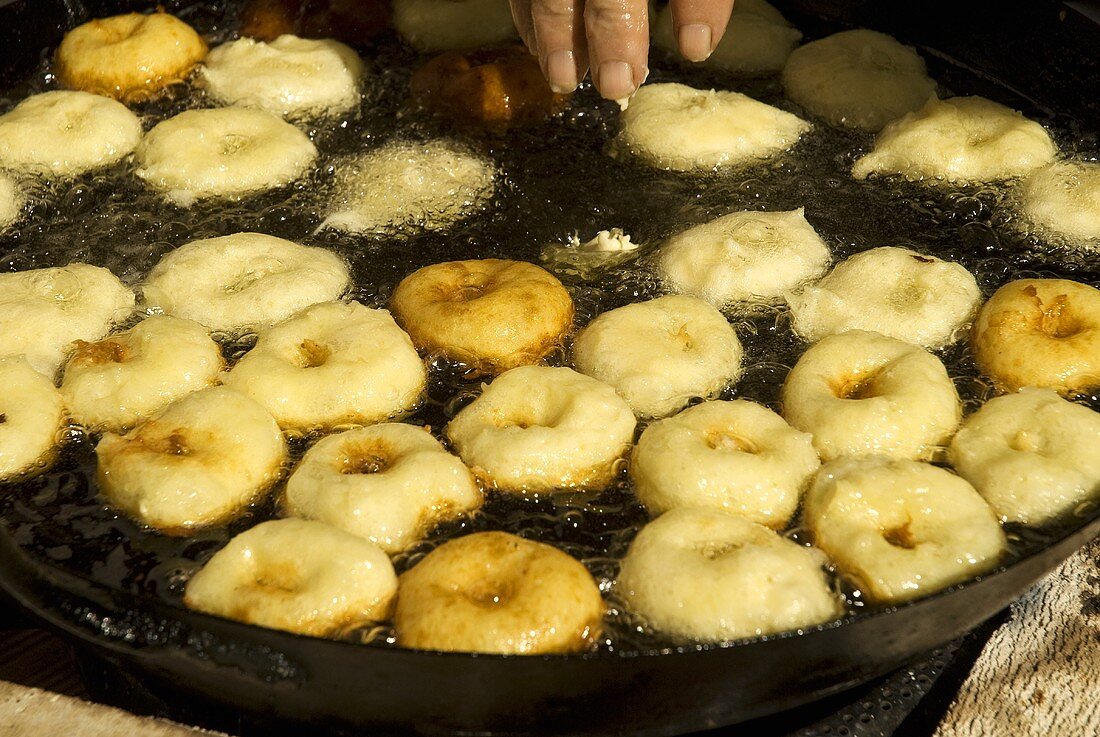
[737, 456]
[333, 364]
[129, 57]
[199, 462]
[117, 382]
[441, 25]
[64, 134]
[244, 281]
[402, 184]
[862, 393]
[43, 311]
[537, 429]
[757, 40]
[390, 483]
[661, 354]
[297, 576]
[901, 529]
[744, 257]
[858, 79]
[222, 153]
[1063, 199]
[960, 140]
[705, 575]
[492, 592]
[11, 201]
[33, 419]
[1032, 455]
[677, 127]
[291, 77]
[893, 291]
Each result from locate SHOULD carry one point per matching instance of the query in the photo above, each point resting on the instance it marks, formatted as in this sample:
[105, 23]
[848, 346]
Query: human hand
[611, 37]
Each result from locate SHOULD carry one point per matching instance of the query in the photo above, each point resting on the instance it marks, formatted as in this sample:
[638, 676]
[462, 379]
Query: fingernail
[616, 80]
[695, 41]
[561, 71]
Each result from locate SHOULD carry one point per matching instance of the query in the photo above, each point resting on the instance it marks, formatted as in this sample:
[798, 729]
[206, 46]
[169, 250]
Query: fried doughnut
[201, 461]
[677, 127]
[1032, 455]
[757, 40]
[335, 363]
[492, 592]
[863, 393]
[11, 201]
[536, 428]
[894, 291]
[901, 529]
[737, 456]
[661, 354]
[129, 57]
[298, 576]
[489, 314]
[744, 257]
[64, 134]
[244, 281]
[289, 77]
[959, 140]
[706, 575]
[1040, 332]
[442, 25]
[402, 184]
[390, 483]
[1064, 199]
[32, 416]
[858, 79]
[117, 382]
[42, 311]
[495, 89]
[222, 153]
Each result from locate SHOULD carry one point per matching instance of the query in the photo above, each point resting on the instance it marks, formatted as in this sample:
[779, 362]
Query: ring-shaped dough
[333, 364]
[441, 25]
[1040, 332]
[32, 416]
[862, 393]
[706, 575]
[492, 592]
[298, 576]
[1064, 199]
[489, 314]
[736, 456]
[661, 354]
[893, 291]
[201, 461]
[244, 281]
[901, 529]
[536, 429]
[390, 483]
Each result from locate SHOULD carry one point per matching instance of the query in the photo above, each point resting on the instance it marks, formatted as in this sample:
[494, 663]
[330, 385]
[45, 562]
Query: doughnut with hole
[32, 417]
[1063, 199]
[441, 25]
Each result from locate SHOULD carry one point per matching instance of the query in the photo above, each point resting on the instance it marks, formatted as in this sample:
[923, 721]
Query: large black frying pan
[1045, 54]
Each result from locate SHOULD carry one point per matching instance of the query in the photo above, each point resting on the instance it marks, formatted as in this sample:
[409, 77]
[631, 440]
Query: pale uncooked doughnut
[11, 201]
[901, 529]
[32, 416]
[862, 393]
[661, 354]
[757, 40]
[223, 153]
[244, 281]
[289, 77]
[1064, 199]
[65, 133]
[737, 456]
[298, 576]
[677, 127]
[744, 257]
[706, 575]
[440, 25]
[537, 428]
[959, 140]
[894, 291]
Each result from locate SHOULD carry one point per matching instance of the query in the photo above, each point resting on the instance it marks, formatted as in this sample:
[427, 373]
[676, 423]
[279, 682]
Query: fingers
[618, 45]
[699, 25]
[521, 16]
[560, 37]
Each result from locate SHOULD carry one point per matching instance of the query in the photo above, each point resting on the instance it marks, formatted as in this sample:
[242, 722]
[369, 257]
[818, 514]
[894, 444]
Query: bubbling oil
[555, 180]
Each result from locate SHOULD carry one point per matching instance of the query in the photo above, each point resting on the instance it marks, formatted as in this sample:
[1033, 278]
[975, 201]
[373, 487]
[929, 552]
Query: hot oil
[555, 180]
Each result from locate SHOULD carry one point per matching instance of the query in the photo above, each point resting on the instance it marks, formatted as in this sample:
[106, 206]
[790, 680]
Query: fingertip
[696, 41]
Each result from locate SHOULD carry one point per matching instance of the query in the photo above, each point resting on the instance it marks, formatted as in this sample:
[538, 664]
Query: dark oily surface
[555, 179]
